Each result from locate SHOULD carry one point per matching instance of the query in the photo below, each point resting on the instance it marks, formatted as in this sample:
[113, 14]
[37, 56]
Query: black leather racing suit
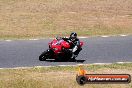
[74, 45]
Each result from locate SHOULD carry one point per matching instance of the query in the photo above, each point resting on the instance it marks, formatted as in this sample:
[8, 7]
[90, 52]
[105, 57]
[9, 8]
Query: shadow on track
[77, 61]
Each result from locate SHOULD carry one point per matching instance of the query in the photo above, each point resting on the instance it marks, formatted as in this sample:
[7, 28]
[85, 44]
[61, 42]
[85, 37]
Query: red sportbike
[59, 50]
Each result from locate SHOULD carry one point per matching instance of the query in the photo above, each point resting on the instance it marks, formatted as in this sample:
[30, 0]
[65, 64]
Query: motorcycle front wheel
[43, 56]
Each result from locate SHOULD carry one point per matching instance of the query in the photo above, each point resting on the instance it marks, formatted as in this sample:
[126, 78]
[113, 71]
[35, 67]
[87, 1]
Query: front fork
[50, 53]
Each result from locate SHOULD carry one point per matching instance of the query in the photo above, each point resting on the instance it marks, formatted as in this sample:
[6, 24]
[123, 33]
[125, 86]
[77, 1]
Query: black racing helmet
[73, 35]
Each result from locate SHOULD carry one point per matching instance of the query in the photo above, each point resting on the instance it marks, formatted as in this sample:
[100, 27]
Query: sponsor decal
[83, 78]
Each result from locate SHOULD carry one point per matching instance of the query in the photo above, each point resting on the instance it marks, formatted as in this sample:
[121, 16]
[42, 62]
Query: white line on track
[101, 63]
[43, 66]
[83, 37]
[8, 40]
[105, 36]
[123, 35]
[123, 62]
[67, 65]
[33, 39]
[120, 62]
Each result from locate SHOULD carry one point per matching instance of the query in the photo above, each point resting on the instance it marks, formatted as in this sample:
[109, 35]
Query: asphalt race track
[25, 53]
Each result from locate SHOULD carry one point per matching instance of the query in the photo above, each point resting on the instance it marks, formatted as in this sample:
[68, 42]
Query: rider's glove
[69, 41]
[70, 50]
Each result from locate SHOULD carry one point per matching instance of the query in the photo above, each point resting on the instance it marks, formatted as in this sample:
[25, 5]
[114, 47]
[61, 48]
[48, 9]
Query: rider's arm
[76, 46]
[77, 43]
[74, 49]
[65, 39]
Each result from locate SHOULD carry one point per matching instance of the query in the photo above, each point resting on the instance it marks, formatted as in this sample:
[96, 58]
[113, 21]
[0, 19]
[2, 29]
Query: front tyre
[43, 56]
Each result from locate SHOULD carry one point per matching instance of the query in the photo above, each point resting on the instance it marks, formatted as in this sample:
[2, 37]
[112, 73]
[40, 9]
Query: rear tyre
[43, 56]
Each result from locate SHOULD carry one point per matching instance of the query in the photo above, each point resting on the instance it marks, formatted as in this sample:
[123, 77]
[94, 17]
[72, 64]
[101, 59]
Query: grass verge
[59, 77]
[48, 18]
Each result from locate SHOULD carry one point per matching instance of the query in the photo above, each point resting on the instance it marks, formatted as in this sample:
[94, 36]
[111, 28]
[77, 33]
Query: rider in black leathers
[75, 43]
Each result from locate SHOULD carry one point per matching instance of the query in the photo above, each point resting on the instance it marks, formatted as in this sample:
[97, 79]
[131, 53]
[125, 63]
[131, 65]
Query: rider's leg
[75, 54]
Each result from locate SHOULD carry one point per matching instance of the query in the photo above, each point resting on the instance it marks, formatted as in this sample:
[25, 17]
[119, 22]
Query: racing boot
[73, 57]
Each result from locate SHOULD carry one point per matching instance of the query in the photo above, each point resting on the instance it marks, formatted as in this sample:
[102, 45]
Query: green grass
[59, 76]
[21, 19]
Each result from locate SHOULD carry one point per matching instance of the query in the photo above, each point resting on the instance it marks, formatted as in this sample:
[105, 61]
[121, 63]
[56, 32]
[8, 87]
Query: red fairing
[65, 44]
[57, 45]
[81, 44]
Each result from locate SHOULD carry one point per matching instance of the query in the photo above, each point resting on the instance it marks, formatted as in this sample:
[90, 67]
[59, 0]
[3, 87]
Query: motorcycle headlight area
[55, 48]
